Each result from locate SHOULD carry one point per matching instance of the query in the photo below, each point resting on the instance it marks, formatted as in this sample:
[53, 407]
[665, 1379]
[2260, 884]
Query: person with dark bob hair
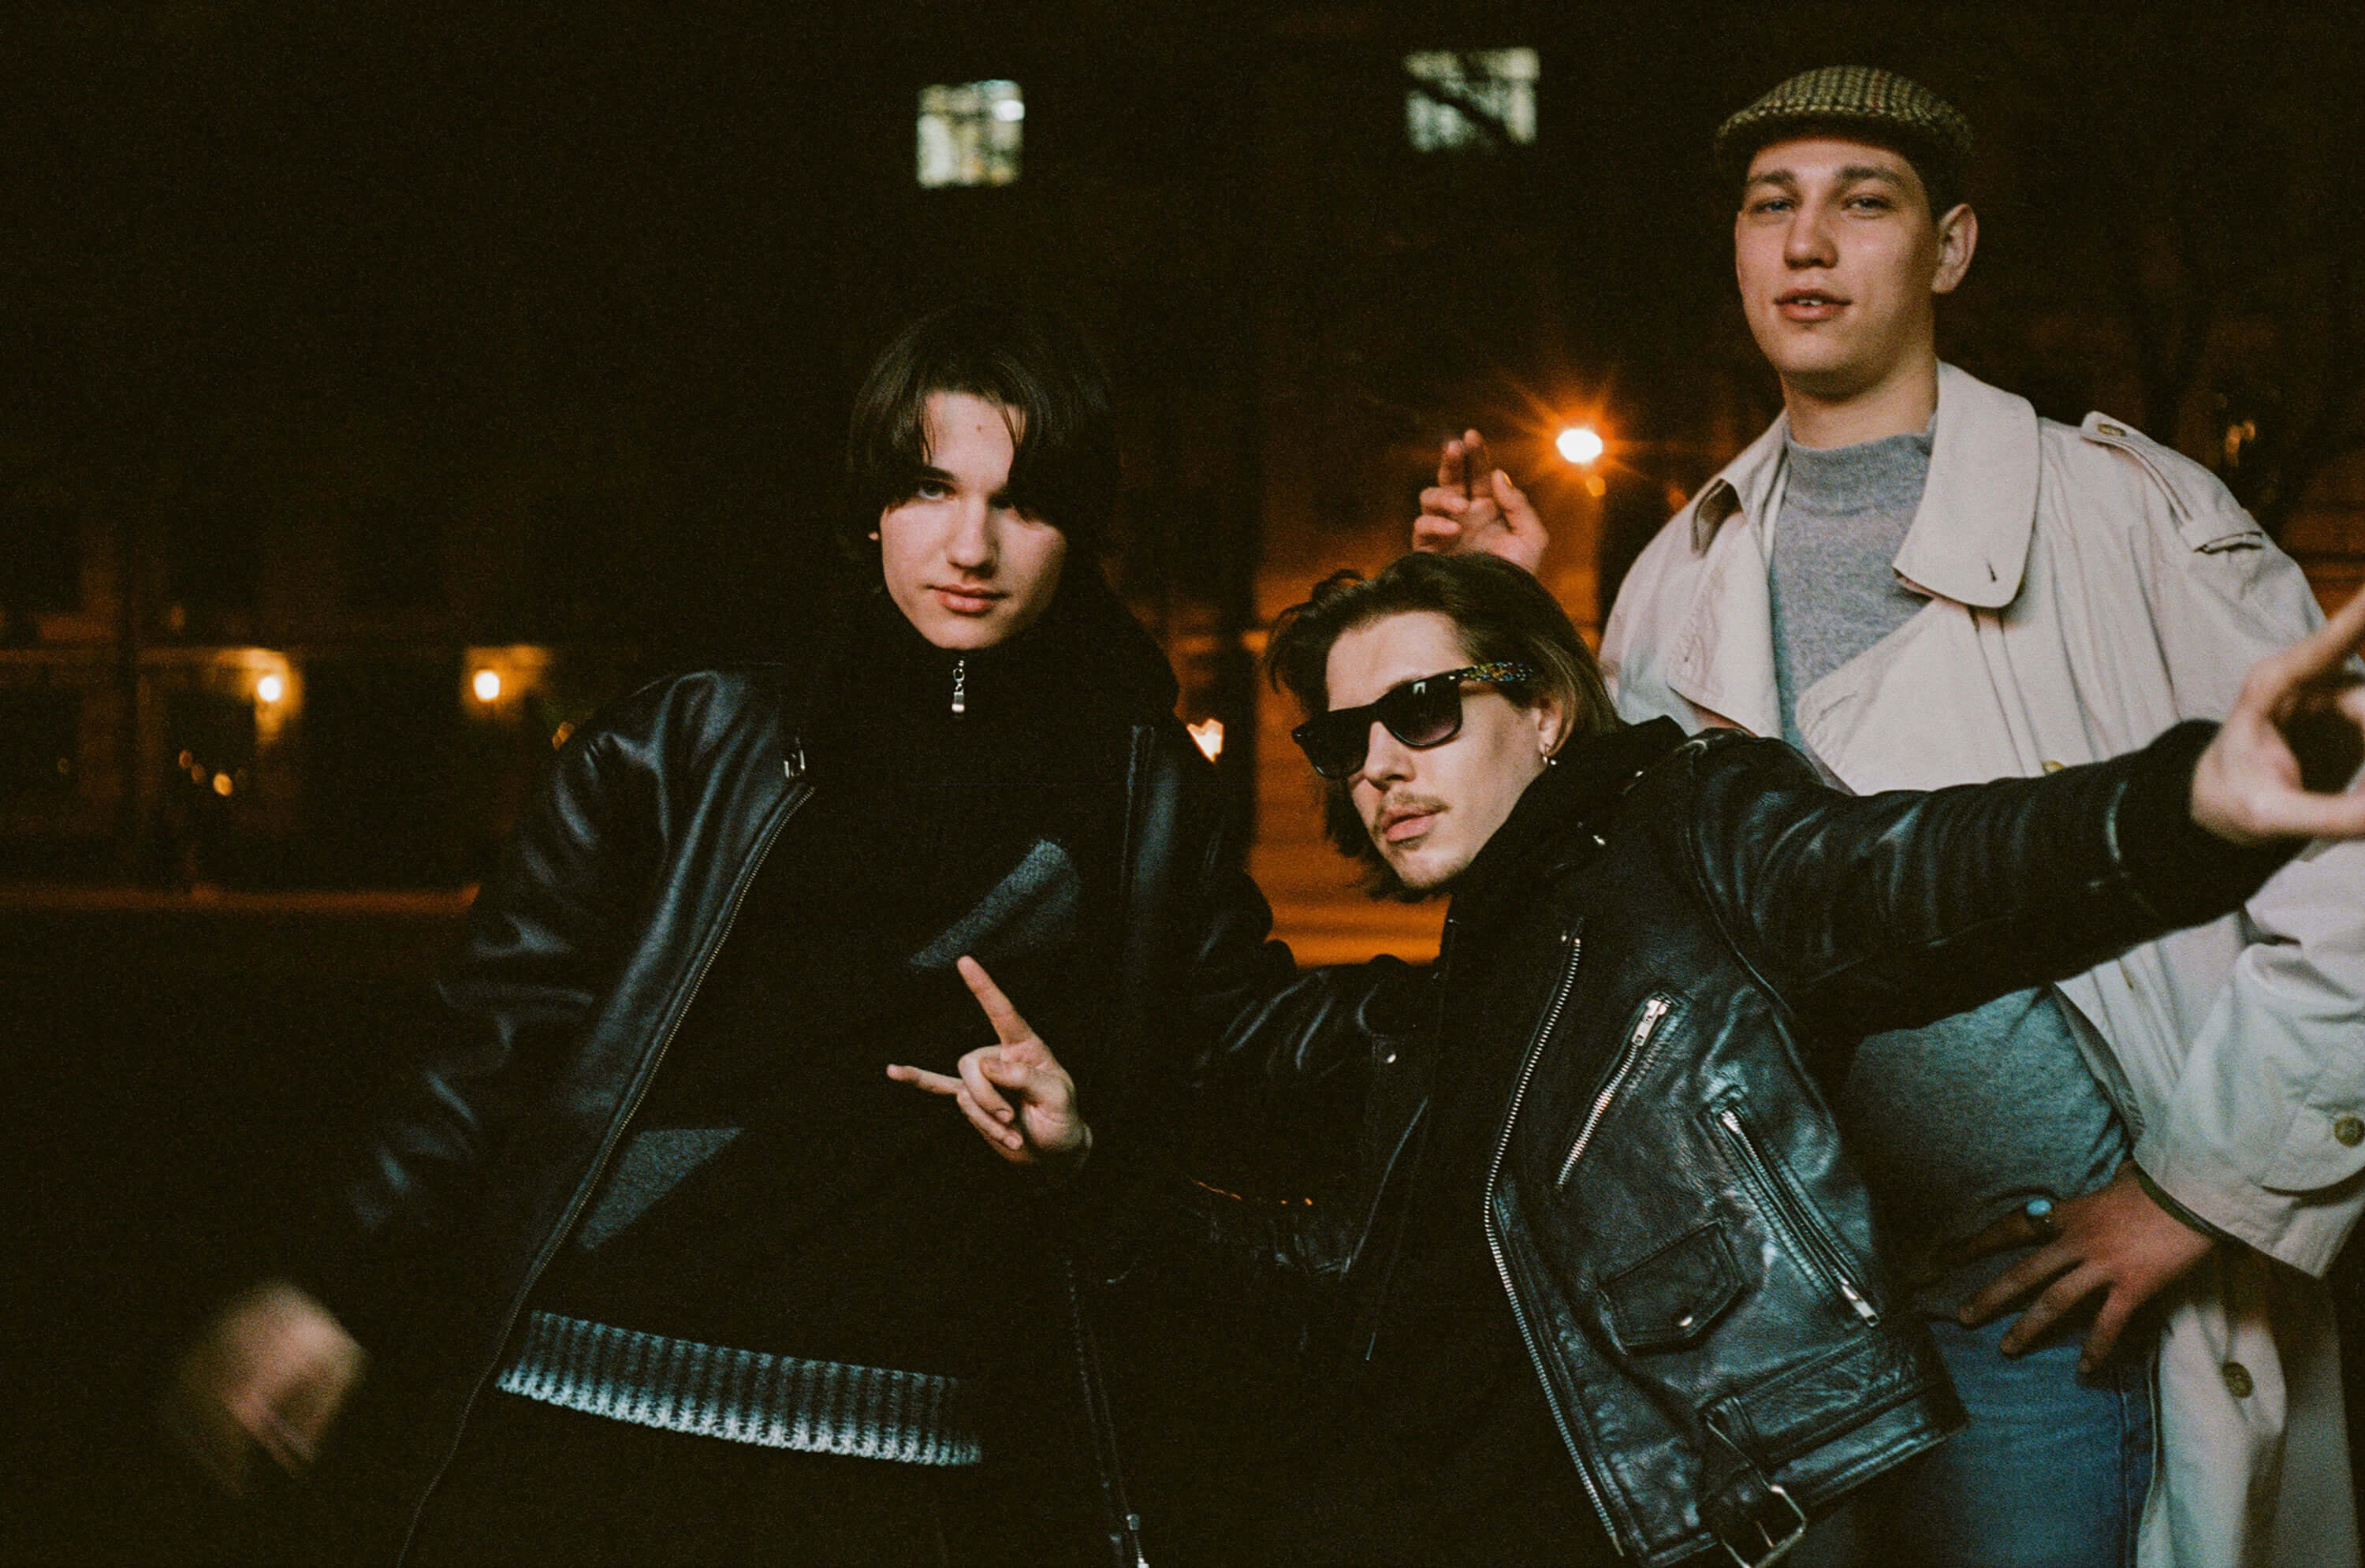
[1039, 367]
[733, 1291]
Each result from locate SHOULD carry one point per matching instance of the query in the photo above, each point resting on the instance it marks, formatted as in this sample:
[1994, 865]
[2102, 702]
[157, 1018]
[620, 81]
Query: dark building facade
[364, 358]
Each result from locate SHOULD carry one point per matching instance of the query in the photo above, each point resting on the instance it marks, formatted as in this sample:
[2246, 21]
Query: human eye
[930, 491]
[1766, 206]
[1870, 201]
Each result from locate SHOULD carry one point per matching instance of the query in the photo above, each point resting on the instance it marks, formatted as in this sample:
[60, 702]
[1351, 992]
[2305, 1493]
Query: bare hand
[2114, 1242]
[270, 1372]
[1016, 1095]
[2281, 766]
[1475, 505]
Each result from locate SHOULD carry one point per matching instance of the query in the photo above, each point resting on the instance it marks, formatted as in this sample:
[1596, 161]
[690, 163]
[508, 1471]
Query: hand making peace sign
[1043, 1128]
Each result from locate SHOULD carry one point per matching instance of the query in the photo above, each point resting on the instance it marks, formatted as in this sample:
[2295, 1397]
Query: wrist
[2176, 1211]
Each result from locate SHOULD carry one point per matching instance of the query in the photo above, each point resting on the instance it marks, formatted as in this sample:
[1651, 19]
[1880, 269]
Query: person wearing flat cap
[2118, 1194]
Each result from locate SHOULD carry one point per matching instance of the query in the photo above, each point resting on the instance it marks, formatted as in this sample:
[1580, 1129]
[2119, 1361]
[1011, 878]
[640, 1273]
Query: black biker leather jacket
[586, 947]
[1699, 929]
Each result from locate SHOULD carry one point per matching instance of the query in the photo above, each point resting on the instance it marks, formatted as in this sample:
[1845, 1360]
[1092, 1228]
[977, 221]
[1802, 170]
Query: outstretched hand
[1475, 505]
[2283, 766]
[1015, 1093]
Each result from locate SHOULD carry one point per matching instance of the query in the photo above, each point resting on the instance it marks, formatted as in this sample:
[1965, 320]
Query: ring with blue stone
[2041, 1218]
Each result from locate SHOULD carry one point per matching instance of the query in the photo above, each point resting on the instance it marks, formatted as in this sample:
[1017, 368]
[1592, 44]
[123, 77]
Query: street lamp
[1581, 444]
[487, 685]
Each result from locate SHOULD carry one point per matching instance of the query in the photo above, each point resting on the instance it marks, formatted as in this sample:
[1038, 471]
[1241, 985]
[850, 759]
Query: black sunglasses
[1423, 713]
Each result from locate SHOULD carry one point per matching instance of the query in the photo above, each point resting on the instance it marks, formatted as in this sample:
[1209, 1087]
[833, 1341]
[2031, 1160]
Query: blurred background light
[1581, 444]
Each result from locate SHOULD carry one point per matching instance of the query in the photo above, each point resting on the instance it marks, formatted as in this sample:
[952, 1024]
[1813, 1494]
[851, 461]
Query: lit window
[1460, 98]
[969, 133]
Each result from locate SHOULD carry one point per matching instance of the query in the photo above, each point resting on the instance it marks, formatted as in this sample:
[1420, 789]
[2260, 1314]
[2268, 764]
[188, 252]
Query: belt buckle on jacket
[1778, 1540]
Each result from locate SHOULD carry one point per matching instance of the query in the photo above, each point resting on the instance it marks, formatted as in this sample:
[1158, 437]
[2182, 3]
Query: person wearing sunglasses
[1619, 1291]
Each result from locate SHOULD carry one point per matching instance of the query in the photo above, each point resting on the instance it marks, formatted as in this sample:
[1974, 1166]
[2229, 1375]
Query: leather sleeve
[540, 950]
[1262, 1059]
[1887, 911]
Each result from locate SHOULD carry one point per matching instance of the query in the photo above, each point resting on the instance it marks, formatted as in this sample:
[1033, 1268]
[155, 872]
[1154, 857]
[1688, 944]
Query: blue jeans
[2050, 1474]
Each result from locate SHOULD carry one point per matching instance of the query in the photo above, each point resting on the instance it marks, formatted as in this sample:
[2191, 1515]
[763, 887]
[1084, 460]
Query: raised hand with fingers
[1014, 1093]
[1475, 505]
[2283, 766]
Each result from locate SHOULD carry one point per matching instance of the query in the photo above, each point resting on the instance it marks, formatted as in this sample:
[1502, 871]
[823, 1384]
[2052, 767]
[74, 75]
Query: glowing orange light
[487, 685]
[1581, 444]
[558, 736]
[222, 785]
[1596, 486]
[1209, 733]
[271, 688]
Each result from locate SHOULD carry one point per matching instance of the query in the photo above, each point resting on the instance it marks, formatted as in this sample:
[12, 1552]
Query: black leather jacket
[586, 947]
[1695, 931]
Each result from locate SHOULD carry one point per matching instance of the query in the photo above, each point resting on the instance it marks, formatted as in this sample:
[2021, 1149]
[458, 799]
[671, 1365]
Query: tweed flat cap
[1842, 96]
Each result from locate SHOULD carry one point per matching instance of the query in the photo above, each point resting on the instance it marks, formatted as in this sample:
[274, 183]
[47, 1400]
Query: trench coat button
[2349, 1130]
[2237, 1380]
[2055, 767]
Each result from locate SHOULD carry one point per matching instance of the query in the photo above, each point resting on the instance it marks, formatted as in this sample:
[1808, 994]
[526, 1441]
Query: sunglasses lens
[1334, 742]
[1420, 713]
[1423, 713]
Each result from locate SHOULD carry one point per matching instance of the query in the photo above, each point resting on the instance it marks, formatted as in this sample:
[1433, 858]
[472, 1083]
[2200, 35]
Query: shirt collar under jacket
[1970, 537]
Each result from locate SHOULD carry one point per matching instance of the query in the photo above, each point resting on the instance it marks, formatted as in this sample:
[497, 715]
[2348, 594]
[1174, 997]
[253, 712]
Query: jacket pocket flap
[1673, 1297]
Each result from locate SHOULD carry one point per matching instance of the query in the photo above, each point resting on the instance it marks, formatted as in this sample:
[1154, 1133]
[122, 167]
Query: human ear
[1958, 236]
[1550, 719]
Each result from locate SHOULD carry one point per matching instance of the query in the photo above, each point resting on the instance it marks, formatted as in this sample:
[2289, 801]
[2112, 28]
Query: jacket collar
[1969, 540]
[1968, 544]
[1557, 822]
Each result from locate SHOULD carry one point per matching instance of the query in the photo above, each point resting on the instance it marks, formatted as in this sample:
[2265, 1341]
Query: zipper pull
[960, 687]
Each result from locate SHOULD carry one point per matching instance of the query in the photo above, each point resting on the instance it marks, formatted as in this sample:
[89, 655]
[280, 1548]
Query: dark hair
[1499, 610]
[1035, 362]
[1940, 172]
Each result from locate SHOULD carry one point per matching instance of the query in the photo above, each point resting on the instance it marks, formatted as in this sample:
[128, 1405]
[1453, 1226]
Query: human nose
[971, 546]
[1808, 240]
[1387, 760]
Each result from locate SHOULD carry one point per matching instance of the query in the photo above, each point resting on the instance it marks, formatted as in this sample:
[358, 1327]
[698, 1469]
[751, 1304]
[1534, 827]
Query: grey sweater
[1964, 1120]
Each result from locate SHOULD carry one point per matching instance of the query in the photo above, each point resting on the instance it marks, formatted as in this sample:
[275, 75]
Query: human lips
[1810, 304]
[1402, 824]
[967, 598]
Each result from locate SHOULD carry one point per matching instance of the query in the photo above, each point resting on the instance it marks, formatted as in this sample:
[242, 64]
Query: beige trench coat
[2088, 588]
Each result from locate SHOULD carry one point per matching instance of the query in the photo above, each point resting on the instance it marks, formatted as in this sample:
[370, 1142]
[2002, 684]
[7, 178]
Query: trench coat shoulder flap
[2207, 516]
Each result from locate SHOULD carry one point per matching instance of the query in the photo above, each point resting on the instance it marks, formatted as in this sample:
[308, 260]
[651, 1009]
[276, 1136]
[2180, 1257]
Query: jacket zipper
[1629, 1062]
[1799, 1230]
[960, 687]
[591, 1180]
[1502, 1264]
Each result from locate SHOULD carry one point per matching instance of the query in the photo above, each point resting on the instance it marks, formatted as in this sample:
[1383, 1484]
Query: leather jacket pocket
[1675, 1295]
[1797, 1223]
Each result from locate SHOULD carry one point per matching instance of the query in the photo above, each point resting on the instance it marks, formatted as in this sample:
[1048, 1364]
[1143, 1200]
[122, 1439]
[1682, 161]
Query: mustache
[1406, 806]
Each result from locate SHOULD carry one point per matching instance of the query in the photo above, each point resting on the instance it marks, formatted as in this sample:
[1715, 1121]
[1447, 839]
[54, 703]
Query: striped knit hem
[743, 1396]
